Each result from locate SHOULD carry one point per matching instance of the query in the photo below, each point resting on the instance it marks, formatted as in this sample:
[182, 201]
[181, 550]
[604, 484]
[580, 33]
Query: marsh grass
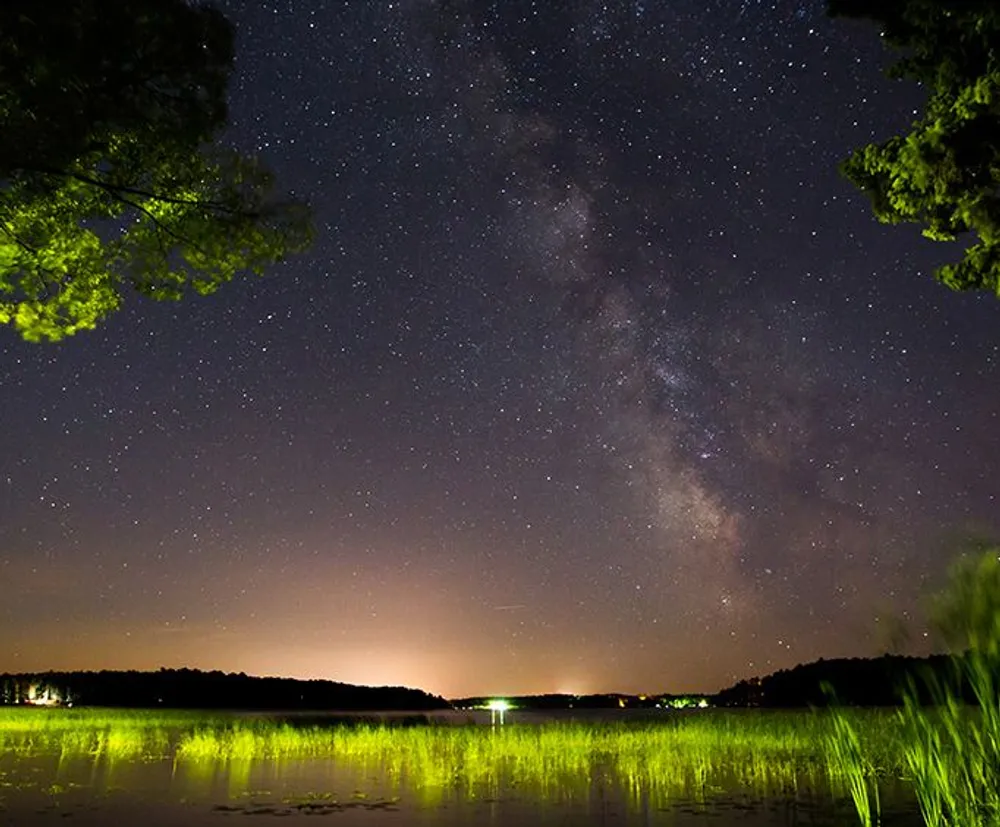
[950, 749]
[117, 735]
[949, 752]
[682, 756]
[851, 767]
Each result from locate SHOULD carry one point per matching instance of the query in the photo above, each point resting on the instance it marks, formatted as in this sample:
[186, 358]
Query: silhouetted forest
[193, 689]
[845, 681]
[853, 682]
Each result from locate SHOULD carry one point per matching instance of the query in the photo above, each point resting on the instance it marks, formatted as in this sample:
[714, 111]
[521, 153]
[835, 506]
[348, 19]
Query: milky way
[598, 376]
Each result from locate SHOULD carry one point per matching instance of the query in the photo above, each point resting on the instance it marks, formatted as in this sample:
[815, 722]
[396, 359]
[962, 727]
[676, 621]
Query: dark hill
[193, 689]
[855, 682]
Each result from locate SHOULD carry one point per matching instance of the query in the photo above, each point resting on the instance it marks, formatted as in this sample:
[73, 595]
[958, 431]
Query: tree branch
[17, 239]
[159, 225]
[115, 189]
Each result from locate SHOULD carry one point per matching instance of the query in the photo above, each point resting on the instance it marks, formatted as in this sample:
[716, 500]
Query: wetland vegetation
[691, 759]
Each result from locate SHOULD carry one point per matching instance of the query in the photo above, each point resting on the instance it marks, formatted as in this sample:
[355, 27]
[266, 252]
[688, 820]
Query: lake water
[168, 791]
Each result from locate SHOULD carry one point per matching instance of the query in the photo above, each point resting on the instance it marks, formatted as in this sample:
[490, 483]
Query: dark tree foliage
[945, 173]
[111, 173]
[193, 689]
[847, 681]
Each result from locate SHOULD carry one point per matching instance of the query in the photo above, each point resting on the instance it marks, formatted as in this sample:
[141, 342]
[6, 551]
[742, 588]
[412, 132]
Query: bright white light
[498, 706]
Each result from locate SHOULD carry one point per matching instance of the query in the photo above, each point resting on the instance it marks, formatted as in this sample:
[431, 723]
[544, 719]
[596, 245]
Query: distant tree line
[614, 700]
[194, 689]
[845, 681]
[848, 681]
[557, 701]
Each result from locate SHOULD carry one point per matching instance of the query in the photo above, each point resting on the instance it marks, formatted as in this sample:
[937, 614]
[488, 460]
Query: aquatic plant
[850, 765]
[950, 750]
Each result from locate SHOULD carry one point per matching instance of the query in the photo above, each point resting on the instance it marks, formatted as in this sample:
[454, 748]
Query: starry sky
[597, 378]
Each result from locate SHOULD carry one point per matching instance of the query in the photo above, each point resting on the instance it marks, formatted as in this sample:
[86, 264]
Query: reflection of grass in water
[681, 756]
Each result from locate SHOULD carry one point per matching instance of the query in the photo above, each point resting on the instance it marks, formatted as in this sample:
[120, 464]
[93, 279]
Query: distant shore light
[495, 706]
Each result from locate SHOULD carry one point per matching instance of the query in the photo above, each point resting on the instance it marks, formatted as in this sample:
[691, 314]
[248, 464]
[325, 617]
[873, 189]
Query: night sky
[598, 376]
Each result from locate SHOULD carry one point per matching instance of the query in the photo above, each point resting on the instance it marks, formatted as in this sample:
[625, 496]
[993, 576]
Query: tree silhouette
[111, 173]
[945, 172]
